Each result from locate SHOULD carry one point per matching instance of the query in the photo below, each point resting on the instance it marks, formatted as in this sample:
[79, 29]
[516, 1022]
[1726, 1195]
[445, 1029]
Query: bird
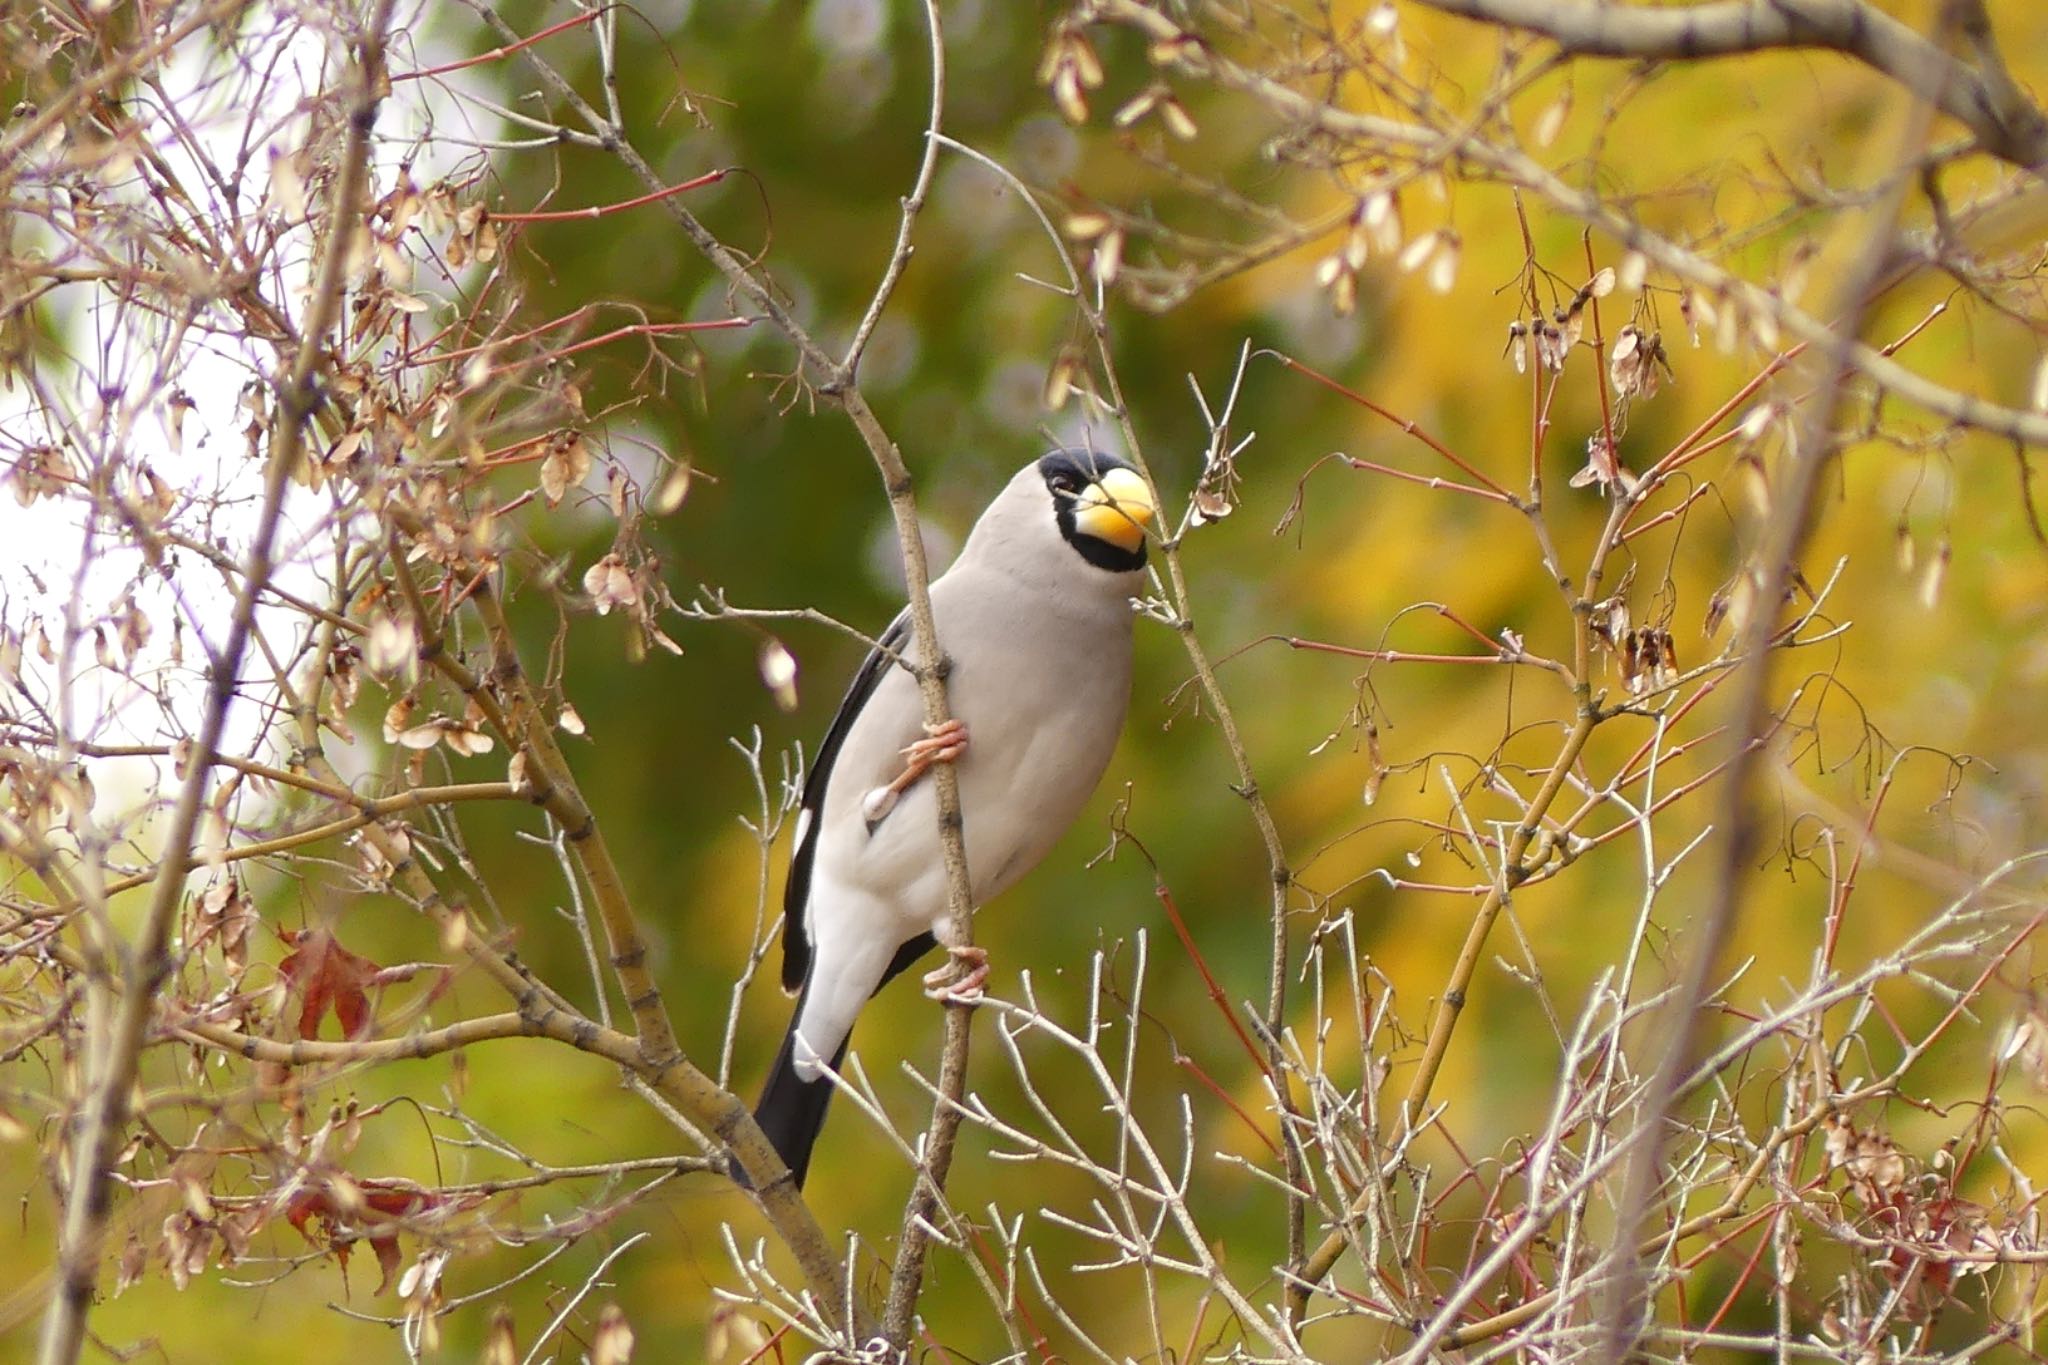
[1035, 620]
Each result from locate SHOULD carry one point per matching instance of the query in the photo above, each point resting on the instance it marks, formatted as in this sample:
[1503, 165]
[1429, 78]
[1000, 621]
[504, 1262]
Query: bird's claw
[959, 982]
[943, 743]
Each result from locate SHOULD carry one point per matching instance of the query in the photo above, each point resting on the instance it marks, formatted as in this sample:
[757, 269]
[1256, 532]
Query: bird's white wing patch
[876, 805]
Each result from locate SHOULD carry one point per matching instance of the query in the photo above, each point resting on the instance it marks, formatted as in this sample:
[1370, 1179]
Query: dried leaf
[566, 466]
[1211, 505]
[175, 409]
[134, 627]
[467, 740]
[392, 649]
[732, 1335]
[422, 737]
[327, 977]
[610, 584]
[134, 1260]
[340, 1212]
[191, 1189]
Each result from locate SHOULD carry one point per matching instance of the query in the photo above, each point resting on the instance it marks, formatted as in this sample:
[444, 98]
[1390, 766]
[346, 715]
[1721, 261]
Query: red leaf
[392, 1204]
[389, 1258]
[371, 1214]
[328, 976]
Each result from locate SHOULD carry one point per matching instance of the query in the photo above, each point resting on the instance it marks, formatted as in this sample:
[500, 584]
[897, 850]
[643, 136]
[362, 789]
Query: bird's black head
[1103, 507]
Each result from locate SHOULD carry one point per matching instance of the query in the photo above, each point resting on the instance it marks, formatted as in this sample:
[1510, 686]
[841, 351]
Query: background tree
[1571, 890]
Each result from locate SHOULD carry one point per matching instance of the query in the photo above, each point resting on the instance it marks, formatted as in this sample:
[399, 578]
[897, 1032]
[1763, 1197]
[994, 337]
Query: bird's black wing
[796, 942]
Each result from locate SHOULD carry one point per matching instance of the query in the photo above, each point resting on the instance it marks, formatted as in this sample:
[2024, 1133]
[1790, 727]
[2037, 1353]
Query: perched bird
[1034, 620]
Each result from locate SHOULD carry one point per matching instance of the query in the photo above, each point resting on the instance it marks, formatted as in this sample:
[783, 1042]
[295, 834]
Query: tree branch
[1985, 100]
[366, 1051]
[1782, 538]
[1279, 874]
[122, 1024]
[896, 481]
[1187, 53]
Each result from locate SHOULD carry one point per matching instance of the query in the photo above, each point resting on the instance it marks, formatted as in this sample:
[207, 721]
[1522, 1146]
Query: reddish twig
[1215, 988]
[1411, 428]
[601, 210]
[505, 50]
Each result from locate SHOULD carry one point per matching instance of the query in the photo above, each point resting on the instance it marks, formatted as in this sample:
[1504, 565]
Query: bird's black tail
[792, 1109]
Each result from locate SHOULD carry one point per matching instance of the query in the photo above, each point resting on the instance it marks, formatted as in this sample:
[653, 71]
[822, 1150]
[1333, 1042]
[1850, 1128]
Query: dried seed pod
[778, 673]
[1935, 574]
[1380, 215]
[1059, 379]
[1551, 121]
[1416, 252]
[1108, 260]
[1443, 268]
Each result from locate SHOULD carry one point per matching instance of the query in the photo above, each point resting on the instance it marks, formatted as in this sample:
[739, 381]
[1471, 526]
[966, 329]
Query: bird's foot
[959, 982]
[943, 744]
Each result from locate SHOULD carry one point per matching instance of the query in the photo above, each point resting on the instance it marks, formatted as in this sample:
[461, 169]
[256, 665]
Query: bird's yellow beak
[1116, 508]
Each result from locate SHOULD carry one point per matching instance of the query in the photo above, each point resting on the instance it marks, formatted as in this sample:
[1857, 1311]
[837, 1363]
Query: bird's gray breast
[1042, 683]
[1043, 692]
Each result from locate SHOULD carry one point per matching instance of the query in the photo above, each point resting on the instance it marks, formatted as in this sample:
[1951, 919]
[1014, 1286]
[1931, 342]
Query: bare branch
[2007, 124]
[146, 961]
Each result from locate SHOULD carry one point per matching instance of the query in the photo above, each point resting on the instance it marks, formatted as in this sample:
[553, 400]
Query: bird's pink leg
[943, 743]
[971, 965]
